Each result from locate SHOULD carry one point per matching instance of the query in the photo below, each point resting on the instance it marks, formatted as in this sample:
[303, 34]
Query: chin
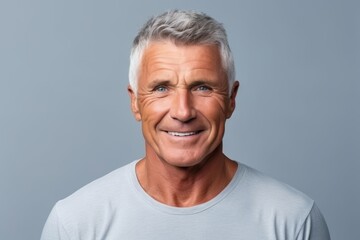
[183, 161]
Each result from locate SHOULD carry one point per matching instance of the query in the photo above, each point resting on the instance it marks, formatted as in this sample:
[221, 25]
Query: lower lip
[179, 142]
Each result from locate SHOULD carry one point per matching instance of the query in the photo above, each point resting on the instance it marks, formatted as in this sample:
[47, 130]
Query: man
[182, 90]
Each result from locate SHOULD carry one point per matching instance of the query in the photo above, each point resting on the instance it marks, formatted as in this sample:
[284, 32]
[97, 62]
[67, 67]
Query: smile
[183, 134]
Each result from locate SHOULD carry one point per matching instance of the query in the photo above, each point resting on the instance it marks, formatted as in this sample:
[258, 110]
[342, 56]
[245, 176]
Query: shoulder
[97, 197]
[276, 208]
[273, 189]
[113, 181]
[274, 197]
[91, 208]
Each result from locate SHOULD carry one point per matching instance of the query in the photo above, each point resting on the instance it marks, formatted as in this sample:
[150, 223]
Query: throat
[184, 187]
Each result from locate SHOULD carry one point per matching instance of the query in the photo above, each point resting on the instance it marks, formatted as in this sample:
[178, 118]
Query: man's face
[182, 102]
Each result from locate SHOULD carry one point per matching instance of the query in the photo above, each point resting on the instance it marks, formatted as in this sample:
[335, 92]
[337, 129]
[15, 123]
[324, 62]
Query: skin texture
[183, 104]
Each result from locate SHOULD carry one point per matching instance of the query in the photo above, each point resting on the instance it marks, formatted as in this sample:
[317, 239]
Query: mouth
[182, 134]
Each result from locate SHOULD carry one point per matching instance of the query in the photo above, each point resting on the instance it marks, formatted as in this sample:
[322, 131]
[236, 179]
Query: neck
[185, 186]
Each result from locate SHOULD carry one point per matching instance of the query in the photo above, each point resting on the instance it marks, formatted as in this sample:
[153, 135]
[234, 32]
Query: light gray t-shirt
[252, 206]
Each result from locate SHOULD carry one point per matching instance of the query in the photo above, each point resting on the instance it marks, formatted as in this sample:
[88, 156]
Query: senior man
[182, 90]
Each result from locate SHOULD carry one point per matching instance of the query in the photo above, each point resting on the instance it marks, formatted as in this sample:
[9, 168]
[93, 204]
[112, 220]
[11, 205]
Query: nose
[182, 108]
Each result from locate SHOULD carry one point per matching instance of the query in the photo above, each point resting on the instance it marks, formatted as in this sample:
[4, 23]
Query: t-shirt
[252, 206]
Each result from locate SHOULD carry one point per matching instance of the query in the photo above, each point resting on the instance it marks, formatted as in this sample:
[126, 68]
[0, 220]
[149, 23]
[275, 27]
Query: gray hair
[184, 27]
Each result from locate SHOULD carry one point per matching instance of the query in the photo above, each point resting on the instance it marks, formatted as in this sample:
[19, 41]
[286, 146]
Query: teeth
[182, 134]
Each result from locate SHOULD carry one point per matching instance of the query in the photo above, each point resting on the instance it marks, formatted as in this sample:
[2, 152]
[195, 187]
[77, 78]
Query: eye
[202, 88]
[160, 88]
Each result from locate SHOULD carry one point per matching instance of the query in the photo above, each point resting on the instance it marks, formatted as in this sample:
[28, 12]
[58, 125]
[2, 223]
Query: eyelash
[160, 88]
[202, 88]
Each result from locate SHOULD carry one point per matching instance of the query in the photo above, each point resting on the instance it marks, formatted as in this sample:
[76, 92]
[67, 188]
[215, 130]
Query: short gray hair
[183, 27]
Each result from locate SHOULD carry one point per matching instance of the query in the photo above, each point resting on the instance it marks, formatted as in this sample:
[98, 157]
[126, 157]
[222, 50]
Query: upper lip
[182, 131]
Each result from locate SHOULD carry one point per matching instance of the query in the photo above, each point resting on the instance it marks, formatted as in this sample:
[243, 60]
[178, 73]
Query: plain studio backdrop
[65, 118]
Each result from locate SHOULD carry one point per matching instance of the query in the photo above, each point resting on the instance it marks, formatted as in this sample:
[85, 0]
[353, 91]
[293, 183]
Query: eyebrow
[207, 82]
[158, 82]
[200, 82]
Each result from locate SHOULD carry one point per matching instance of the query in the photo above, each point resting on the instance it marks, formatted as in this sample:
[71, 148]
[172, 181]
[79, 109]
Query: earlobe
[134, 105]
[232, 100]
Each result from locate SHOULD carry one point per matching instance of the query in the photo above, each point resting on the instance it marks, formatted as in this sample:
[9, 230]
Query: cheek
[153, 110]
[212, 108]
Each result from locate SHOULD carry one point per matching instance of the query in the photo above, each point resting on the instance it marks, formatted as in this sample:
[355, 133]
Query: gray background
[65, 117]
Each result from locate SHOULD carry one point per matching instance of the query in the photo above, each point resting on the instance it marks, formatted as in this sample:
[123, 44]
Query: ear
[134, 104]
[232, 100]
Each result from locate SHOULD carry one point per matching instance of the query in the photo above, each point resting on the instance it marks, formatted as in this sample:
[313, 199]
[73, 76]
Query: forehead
[167, 47]
[166, 55]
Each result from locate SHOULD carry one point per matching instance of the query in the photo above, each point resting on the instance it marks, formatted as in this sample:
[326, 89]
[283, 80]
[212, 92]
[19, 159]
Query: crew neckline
[185, 210]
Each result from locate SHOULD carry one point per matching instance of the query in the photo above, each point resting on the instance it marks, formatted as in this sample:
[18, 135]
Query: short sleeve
[53, 229]
[314, 227]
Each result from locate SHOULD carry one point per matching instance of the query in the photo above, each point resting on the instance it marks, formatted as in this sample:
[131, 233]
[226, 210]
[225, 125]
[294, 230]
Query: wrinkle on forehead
[182, 64]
